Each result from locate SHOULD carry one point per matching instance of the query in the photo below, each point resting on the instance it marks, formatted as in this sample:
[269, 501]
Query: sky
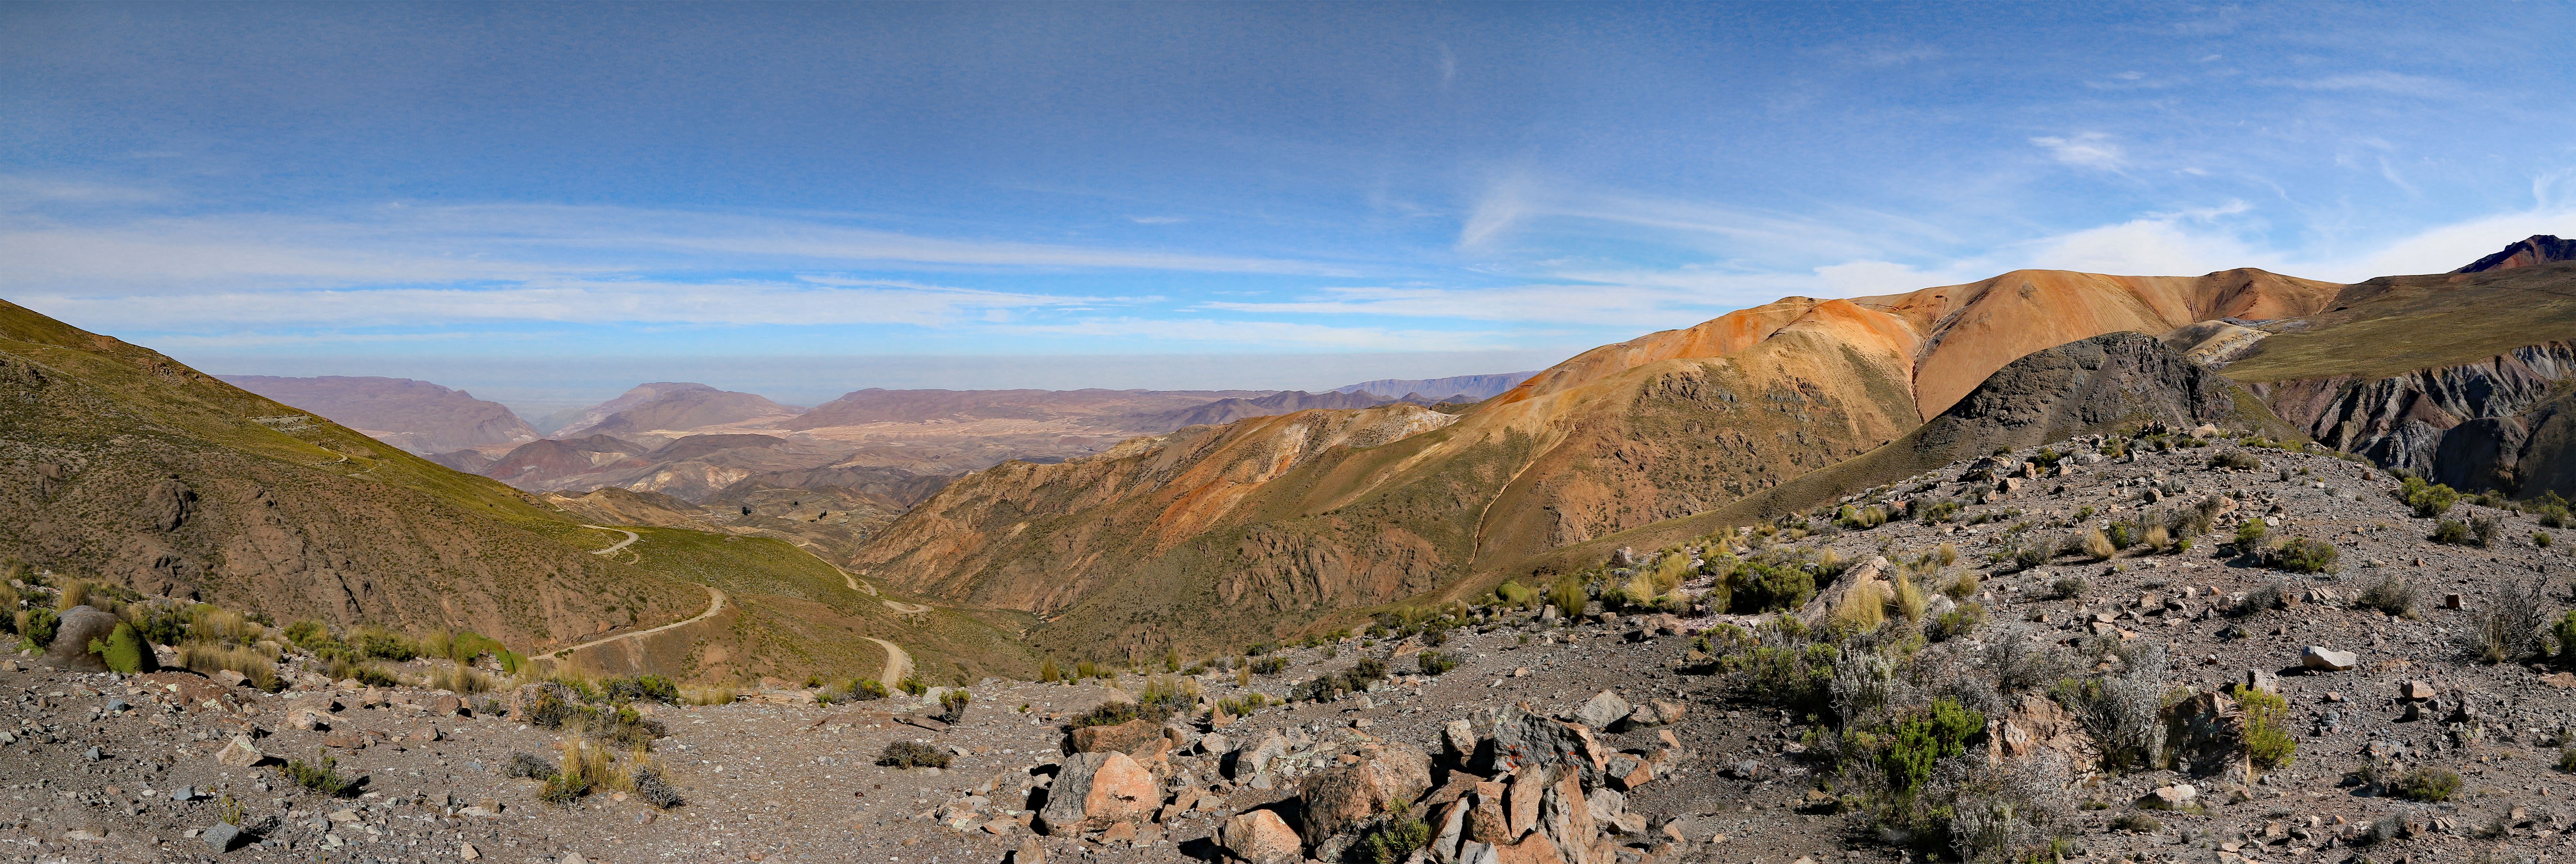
[545, 203]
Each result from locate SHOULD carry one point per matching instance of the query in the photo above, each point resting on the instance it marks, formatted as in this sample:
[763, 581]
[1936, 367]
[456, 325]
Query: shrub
[2124, 709]
[2427, 784]
[2429, 500]
[344, 667]
[656, 791]
[36, 628]
[912, 754]
[912, 686]
[2451, 531]
[563, 789]
[2069, 588]
[1435, 662]
[122, 650]
[384, 645]
[654, 688]
[527, 765]
[1270, 665]
[2019, 662]
[1760, 586]
[952, 704]
[1393, 837]
[2303, 555]
[1915, 743]
[2485, 529]
[2250, 533]
[2392, 594]
[1048, 672]
[319, 776]
[2138, 823]
[2266, 716]
[2540, 539]
[309, 635]
[2235, 460]
[1956, 623]
[1943, 510]
[2567, 755]
[2509, 628]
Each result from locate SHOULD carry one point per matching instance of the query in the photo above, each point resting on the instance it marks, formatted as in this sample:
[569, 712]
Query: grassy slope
[2397, 324]
[445, 548]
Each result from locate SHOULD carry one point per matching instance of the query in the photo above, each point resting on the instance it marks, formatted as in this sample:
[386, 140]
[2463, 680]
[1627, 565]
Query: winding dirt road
[898, 664]
[621, 544]
[715, 604]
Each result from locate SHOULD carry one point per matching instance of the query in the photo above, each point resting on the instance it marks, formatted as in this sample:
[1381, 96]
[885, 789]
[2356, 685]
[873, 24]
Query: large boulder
[1533, 849]
[1260, 837]
[1095, 790]
[70, 649]
[1346, 795]
[1653, 712]
[2323, 659]
[1134, 737]
[1523, 740]
[1520, 804]
[1486, 821]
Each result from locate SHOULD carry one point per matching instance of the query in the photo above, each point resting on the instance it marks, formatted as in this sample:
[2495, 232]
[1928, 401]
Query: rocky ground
[1677, 764]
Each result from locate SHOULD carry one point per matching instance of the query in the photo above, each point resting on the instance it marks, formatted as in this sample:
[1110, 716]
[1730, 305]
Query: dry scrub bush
[2123, 709]
[2509, 628]
[2002, 811]
[713, 694]
[2392, 594]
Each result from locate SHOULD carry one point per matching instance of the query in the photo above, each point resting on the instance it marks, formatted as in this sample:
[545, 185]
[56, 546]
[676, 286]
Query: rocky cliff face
[2535, 250]
[2081, 387]
[2499, 423]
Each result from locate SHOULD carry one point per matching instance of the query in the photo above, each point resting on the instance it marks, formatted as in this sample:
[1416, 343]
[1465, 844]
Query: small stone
[93, 755]
[224, 837]
[2257, 679]
[468, 852]
[2415, 690]
[2327, 659]
[1030, 852]
[186, 793]
[238, 754]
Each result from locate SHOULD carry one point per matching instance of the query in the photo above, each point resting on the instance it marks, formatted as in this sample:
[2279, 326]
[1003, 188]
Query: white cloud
[1156, 220]
[564, 301]
[2088, 150]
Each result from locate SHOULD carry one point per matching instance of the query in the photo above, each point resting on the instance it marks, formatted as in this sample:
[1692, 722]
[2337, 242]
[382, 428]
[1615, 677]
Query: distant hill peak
[1477, 386]
[2536, 249]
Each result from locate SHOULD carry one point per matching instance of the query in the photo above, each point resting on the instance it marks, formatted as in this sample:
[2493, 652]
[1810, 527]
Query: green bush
[912, 754]
[1567, 596]
[1394, 837]
[2392, 594]
[1956, 623]
[1758, 586]
[2249, 533]
[1943, 510]
[2069, 588]
[640, 688]
[952, 704]
[563, 788]
[2266, 715]
[319, 776]
[2451, 531]
[2427, 784]
[122, 650]
[1925, 738]
[36, 628]
[384, 645]
[1270, 665]
[2236, 460]
[2303, 555]
[2429, 500]
[2137, 822]
[1435, 662]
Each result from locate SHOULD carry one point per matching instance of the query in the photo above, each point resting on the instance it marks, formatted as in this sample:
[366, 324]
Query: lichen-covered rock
[1603, 709]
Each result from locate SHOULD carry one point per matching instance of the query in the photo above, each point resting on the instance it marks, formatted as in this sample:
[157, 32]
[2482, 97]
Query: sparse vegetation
[2392, 594]
[2429, 500]
[2267, 738]
[912, 754]
[2508, 628]
[1435, 662]
[2235, 460]
[2428, 784]
[321, 775]
[1392, 837]
[953, 703]
[2069, 588]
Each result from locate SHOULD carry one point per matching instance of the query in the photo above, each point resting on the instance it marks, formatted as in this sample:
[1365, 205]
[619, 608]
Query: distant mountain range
[1475, 387]
[414, 415]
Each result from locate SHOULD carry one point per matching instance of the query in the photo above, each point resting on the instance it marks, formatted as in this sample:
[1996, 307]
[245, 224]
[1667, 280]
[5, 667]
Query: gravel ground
[91, 761]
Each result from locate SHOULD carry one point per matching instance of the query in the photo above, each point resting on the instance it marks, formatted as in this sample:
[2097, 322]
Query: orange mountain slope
[1217, 536]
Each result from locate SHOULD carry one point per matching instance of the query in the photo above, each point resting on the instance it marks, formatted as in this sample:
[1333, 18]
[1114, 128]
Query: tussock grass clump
[2235, 460]
[1435, 662]
[725, 694]
[459, 678]
[1244, 704]
[207, 658]
[1962, 587]
[344, 667]
[1956, 623]
[320, 775]
[912, 754]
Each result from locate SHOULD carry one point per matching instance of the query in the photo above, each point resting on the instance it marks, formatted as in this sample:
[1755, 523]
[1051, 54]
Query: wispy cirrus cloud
[2085, 150]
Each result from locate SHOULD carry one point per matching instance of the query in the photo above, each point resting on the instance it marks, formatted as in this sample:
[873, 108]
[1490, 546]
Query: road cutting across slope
[715, 604]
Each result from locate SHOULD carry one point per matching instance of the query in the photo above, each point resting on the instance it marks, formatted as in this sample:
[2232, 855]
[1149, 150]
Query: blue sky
[536, 200]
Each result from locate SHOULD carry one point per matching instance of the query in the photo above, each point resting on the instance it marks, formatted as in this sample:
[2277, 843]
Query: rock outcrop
[2500, 423]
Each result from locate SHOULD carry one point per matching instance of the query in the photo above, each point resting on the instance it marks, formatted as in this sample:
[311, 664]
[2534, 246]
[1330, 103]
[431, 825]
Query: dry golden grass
[458, 678]
[714, 694]
[1865, 607]
[74, 593]
[207, 658]
[1907, 600]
